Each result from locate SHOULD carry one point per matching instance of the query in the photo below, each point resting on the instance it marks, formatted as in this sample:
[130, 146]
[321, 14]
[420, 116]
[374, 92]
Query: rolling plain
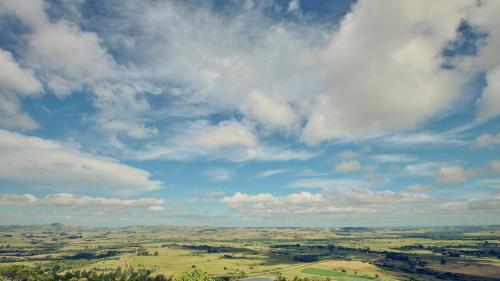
[349, 254]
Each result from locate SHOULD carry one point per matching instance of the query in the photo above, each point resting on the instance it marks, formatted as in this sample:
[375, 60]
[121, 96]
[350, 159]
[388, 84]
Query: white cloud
[400, 80]
[270, 173]
[393, 158]
[248, 63]
[72, 200]
[491, 203]
[450, 174]
[226, 134]
[302, 197]
[311, 173]
[418, 188]
[67, 59]
[326, 183]
[66, 56]
[487, 140]
[368, 196]
[293, 5]
[276, 74]
[228, 140]
[485, 19]
[488, 103]
[15, 78]
[268, 204]
[16, 82]
[219, 174]
[495, 166]
[494, 182]
[269, 112]
[422, 169]
[156, 208]
[131, 128]
[412, 139]
[348, 154]
[55, 165]
[350, 201]
[371, 174]
[212, 195]
[348, 166]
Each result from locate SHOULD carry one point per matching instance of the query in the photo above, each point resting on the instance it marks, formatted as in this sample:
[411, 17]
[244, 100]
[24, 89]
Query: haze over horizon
[250, 113]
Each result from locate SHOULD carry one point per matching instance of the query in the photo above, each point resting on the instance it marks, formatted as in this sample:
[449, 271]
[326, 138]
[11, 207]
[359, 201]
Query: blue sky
[250, 113]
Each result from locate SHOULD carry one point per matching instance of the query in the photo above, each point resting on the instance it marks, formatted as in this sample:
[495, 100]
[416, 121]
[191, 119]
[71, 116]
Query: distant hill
[355, 229]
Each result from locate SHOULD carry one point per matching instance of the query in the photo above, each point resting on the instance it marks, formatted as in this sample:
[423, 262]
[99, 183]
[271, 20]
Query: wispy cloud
[219, 174]
[422, 139]
[328, 183]
[270, 173]
[393, 158]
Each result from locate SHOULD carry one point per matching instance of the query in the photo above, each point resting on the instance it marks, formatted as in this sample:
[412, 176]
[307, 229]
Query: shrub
[195, 275]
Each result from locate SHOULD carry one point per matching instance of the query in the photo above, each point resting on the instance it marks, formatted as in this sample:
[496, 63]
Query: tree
[195, 275]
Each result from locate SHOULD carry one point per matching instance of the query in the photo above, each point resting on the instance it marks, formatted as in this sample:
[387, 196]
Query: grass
[260, 252]
[338, 275]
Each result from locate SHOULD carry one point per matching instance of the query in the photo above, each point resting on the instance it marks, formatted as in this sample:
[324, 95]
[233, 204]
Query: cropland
[346, 254]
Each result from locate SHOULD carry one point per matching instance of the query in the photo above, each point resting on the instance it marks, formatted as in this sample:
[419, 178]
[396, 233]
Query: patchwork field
[349, 254]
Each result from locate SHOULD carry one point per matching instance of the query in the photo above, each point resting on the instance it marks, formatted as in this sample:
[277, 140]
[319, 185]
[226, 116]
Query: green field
[459, 253]
[338, 275]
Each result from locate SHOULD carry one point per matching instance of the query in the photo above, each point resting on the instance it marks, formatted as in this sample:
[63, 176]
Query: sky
[250, 113]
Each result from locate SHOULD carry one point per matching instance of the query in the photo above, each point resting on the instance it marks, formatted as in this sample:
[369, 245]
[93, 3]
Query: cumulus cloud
[278, 74]
[368, 196]
[487, 140]
[55, 165]
[269, 112]
[484, 18]
[450, 174]
[72, 200]
[348, 166]
[68, 59]
[268, 204]
[353, 201]
[226, 134]
[16, 82]
[401, 83]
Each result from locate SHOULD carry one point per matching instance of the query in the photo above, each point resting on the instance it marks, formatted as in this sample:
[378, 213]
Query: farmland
[349, 254]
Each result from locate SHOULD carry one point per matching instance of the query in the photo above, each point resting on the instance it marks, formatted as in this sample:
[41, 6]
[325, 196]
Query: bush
[195, 275]
[26, 273]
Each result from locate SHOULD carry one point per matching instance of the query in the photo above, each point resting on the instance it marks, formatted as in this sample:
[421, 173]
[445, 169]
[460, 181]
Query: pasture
[470, 253]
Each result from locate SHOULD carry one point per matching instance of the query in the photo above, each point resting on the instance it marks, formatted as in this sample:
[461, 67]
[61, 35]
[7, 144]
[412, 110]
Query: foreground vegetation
[59, 252]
